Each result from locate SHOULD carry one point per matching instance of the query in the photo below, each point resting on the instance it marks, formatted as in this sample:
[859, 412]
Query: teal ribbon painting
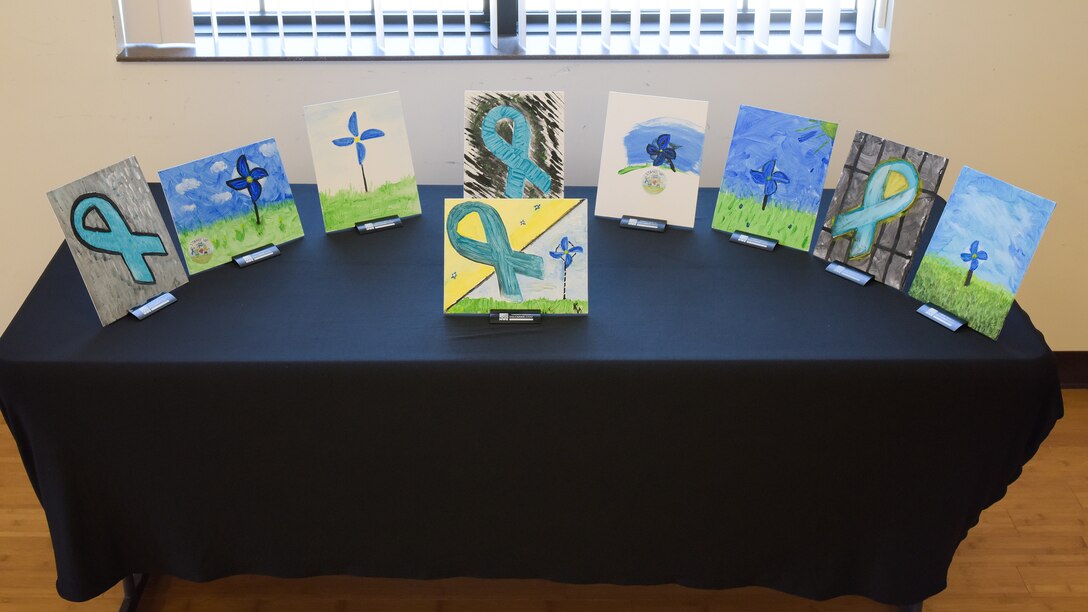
[118, 238]
[514, 154]
[891, 189]
[496, 250]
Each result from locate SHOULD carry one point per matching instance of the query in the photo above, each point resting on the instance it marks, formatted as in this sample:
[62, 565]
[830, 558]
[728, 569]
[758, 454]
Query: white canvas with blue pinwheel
[651, 158]
[230, 203]
[362, 160]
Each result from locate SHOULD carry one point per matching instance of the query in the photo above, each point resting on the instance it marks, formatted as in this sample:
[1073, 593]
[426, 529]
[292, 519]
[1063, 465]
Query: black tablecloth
[723, 417]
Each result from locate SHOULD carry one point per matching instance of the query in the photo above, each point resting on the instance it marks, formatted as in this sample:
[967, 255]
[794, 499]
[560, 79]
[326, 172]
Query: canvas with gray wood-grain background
[112, 288]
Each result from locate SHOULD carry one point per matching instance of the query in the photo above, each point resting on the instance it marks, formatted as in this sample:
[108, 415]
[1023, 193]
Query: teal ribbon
[514, 154]
[875, 207]
[496, 251]
[118, 239]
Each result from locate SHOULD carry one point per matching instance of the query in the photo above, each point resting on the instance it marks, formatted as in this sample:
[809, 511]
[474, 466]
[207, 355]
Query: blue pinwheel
[249, 179]
[357, 139]
[769, 178]
[974, 256]
[565, 251]
[663, 151]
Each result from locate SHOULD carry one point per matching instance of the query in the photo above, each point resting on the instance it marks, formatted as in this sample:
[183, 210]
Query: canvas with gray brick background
[896, 239]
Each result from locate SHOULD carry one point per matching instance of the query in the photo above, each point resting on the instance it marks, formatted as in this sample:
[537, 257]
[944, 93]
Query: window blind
[337, 27]
[431, 28]
[678, 27]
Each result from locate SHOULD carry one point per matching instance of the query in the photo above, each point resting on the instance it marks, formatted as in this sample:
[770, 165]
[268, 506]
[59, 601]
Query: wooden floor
[1028, 554]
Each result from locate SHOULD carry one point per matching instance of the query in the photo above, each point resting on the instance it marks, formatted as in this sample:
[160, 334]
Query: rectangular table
[723, 417]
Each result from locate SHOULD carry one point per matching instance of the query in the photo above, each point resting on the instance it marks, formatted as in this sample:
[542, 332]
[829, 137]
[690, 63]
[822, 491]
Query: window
[386, 29]
[344, 28]
[705, 28]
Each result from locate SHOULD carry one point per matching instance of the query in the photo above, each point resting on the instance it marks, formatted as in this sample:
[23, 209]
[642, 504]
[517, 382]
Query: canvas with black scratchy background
[485, 174]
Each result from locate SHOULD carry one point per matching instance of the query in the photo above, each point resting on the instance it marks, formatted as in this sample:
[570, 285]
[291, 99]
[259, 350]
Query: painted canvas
[525, 253]
[981, 249]
[513, 144]
[362, 160]
[651, 158]
[118, 239]
[230, 203]
[774, 176]
[881, 204]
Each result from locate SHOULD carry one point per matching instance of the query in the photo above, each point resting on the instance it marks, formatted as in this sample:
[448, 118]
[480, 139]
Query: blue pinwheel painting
[362, 159]
[651, 158]
[250, 180]
[769, 179]
[974, 256]
[230, 203]
[662, 151]
[357, 139]
[566, 250]
[774, 176]
[657, 144]
[982, 211]
[664, 141]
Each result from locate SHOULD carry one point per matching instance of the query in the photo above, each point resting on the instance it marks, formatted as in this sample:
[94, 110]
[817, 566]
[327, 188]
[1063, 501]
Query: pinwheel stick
[256, 212]
[363, 170]
[967, 281]
[766, 196]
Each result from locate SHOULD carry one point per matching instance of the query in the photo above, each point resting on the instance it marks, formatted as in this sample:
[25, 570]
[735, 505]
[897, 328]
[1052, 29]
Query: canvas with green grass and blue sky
[230, 203]
[774, 176]
[981, 249]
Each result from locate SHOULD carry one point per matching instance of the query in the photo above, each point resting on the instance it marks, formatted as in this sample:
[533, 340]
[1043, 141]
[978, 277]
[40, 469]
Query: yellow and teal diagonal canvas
[516, 253]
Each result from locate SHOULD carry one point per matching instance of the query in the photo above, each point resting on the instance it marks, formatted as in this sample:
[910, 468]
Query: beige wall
[985, 82]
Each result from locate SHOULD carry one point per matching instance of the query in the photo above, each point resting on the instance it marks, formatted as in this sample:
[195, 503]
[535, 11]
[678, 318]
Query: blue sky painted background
[686, 135]
[197, 192]
[1008, 223]
[762, 135]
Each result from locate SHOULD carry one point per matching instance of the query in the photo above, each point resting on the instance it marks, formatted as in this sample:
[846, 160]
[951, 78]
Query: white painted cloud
[219, 166]
[188, 184]
[268, 149]
[222, 196]
[188, 208]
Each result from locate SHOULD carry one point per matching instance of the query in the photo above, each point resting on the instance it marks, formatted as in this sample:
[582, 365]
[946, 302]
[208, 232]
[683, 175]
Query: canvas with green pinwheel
[362, 160]
[230, 203]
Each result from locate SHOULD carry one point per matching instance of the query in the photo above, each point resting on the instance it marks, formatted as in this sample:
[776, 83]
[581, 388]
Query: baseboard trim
[1072, 369]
